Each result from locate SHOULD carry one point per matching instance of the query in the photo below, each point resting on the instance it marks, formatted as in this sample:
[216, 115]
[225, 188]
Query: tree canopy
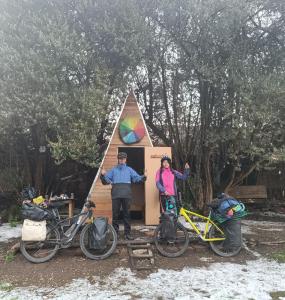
[209, 76]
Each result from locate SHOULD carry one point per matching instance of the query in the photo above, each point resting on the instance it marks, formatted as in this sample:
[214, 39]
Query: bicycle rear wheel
[97, 254]
[218, 246]
[39, 252]
[171, 248]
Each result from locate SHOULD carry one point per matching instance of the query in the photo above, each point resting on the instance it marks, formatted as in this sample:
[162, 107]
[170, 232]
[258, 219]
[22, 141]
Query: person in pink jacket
[166, 179]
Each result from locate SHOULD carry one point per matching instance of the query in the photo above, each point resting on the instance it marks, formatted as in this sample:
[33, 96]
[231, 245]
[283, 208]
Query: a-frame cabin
[131, 136]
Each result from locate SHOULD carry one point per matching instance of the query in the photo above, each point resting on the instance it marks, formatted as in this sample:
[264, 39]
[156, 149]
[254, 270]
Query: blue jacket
[122, 174]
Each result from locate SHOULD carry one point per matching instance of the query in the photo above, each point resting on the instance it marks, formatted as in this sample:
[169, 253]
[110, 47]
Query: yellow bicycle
[211, 233]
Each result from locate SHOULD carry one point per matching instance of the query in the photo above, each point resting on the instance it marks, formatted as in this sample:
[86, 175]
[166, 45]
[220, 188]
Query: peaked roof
[130, 102]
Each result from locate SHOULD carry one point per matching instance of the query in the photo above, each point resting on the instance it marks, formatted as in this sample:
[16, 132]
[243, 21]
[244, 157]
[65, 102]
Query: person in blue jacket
[121, 177]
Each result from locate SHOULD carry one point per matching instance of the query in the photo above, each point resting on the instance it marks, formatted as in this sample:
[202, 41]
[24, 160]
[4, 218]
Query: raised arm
[183, 176]
[135, 176]
[108, 177]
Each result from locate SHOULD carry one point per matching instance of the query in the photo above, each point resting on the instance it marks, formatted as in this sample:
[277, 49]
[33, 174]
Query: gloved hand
[103, 180]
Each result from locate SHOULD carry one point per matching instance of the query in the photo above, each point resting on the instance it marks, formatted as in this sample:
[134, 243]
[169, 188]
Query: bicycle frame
[82, 218]
[187, 215]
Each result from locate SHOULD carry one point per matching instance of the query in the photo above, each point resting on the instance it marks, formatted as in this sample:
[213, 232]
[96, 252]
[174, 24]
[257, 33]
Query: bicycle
[58, 237]
[212, 234]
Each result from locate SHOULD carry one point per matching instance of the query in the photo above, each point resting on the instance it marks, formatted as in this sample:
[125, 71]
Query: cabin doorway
[136, 161]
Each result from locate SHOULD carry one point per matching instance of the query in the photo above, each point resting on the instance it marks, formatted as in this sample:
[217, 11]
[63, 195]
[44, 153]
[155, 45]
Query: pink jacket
[168, 177]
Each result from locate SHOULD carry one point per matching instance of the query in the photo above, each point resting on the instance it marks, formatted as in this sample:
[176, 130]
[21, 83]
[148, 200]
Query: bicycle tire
[157, 239]
[217, 246]
[24, 246]
[84, 235]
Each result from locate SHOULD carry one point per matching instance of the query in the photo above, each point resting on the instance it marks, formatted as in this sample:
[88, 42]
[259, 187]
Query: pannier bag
[232, 230]
[168, 226]
[98, 234]
[227, 208]
[34, 231]
[35, 213]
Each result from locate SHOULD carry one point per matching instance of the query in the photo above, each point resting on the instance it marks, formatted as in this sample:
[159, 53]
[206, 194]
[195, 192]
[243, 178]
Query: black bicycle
[61, 233]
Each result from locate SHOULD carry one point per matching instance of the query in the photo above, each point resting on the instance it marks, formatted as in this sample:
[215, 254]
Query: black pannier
[232, 230]
[34, 212]
[168, 223]
[98, 233]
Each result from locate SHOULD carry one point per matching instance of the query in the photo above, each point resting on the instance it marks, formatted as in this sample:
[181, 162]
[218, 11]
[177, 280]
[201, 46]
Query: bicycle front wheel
[106, 251]
[219, 246]
[39, 252]
[174, 247]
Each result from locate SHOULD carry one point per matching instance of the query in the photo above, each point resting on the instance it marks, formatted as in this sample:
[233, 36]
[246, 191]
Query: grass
[6, 287]
[279, 256]
[277, 295]
[9, 257]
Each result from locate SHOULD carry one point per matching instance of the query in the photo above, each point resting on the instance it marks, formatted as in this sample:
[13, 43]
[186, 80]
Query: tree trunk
[205, 188]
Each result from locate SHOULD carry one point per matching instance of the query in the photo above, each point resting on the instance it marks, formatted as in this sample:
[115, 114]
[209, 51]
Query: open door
[152, 164]
[135, 160]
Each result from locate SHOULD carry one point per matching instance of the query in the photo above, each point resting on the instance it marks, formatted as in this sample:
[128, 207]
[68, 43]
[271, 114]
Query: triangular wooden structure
[99, 193]
[145, 195]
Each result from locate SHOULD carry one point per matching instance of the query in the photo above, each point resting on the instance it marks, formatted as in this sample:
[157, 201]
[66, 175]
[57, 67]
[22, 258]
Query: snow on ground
[250, 226]
[7, 232]
[253, 280]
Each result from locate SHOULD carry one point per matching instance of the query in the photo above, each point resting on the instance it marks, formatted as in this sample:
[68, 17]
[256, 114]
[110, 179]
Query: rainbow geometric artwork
[131, 130]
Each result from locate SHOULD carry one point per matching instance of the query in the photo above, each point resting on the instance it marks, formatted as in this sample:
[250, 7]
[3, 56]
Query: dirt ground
[70, 263]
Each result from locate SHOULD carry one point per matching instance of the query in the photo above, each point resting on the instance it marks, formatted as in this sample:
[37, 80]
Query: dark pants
[116, 208]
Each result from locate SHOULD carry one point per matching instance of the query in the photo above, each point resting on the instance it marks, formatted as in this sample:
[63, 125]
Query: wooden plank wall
[152, 164]
[101, 194]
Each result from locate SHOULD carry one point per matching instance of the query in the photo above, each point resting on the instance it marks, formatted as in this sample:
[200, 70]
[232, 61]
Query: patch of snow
[263, 223]
[254, 253]
[7, 232]
[206, 259]
[247, 230]
[271, 229]
[144, 230]
[273, 214]
[250, 226]
[252, 280]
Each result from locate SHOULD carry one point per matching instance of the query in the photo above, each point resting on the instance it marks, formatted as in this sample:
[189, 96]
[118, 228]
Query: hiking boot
[129, 237]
